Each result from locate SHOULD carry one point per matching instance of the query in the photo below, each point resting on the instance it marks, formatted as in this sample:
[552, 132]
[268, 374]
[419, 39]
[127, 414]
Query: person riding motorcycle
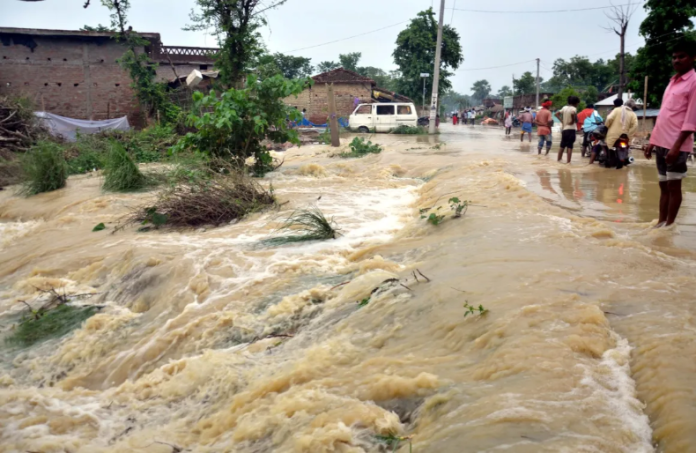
[622, 123]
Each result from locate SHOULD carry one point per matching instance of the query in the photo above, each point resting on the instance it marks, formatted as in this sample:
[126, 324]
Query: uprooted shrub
[306, 225]
[360, 147]
[19, 127]
[121, 174]
[49, 324]
[223, 196]
[44, 169]
[236, 123]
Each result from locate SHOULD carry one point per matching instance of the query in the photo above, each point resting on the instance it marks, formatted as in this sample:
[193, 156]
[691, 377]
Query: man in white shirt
[569, 121]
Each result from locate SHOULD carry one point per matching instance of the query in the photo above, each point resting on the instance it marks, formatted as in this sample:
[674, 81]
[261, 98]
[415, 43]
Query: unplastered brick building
[349, 88]
[76, 73]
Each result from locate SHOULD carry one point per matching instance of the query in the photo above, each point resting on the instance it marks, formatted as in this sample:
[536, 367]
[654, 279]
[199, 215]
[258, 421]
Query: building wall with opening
[316, 100]
[77, 74]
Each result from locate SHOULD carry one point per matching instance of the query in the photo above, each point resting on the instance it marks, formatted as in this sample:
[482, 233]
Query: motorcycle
[618, 156]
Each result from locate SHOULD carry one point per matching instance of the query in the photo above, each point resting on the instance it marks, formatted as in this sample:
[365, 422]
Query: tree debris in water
[306, 225]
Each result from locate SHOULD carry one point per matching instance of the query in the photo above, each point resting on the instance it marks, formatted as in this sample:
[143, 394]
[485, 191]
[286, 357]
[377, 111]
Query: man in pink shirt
[672, 139]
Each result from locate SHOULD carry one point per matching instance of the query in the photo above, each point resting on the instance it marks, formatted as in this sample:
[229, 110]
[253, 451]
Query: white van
[383, 117]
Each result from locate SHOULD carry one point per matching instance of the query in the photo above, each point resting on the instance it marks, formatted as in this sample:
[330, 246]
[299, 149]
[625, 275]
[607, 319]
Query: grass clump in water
[121, 174]
[44, 169]
[409, 130]
[360, 147]
[206, 197]
[49, 324]
[306, 225]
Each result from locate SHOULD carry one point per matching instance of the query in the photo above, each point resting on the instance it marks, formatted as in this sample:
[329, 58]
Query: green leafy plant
[459, 207]
[435, 219]
[236, 122]
[364, 302]
[44, 169]
[471, 310]
[49, 324]
[99, 227]
[392, 441]
[121, 174]
[306, 225]
[409, 130]
[360, 147]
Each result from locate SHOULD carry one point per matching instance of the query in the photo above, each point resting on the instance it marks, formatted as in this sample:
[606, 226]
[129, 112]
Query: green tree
[415, 54]
[505, 91]
[236, 24]
[288, 66]
[99, 28]
[560, 99]
[326, 66]
[480, 90]
[236, 123]
[350, 61]
[590, 95]
[380, 76]
[525, 84]
[667, 23]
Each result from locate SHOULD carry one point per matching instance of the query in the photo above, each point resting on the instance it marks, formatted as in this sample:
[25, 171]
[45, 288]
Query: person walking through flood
[672, 140]
[569, 121]
[508, 123]
[526, 119]
[455, 116]
[544, 122]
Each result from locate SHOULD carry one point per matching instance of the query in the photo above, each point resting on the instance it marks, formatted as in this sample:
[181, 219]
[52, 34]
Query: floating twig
[339, 285]
[421, 274]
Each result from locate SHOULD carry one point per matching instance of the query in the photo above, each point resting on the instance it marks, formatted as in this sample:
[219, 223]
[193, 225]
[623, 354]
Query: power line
[539, 11]
[497, 67]
[349, 37]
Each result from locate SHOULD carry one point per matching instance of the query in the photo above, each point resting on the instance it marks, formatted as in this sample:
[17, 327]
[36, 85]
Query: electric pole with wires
[436, 76]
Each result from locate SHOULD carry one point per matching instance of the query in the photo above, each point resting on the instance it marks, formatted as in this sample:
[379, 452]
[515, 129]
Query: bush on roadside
[360, 147]
[236, 123]
[409, 130]
[121, 174]
[44, 169]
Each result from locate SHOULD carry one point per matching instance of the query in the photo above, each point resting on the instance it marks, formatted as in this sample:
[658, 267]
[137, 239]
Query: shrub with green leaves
[409, 130]
[360, 147]
[121, 174]
[233, 125]
[44, 169]
[50, 324]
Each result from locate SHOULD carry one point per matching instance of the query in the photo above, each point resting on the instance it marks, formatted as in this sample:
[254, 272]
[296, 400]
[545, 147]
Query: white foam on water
[11, 231]
[611, 379]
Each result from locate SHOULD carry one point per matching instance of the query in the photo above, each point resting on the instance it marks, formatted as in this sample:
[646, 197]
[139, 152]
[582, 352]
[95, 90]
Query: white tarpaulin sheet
[68, 127]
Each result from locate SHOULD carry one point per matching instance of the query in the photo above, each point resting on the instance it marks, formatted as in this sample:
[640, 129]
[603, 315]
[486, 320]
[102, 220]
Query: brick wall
[73, 77]
[315, 100]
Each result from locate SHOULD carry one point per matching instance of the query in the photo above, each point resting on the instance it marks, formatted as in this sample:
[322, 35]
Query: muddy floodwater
[210, 340]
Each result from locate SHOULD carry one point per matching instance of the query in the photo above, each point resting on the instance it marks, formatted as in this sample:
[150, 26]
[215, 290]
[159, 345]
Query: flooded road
[209, 341]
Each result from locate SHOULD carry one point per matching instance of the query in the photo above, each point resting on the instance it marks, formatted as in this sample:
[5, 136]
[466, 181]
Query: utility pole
[436, 76]
[333, 119]
[645, 103]
[537, 83]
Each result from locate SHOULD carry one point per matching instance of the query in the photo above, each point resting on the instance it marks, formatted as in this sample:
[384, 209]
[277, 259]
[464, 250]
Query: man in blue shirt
[592, 122]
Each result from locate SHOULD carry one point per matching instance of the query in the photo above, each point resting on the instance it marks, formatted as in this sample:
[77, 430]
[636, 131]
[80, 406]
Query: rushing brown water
[211, 342]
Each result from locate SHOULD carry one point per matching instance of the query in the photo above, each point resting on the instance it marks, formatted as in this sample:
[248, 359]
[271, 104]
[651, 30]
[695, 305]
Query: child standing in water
[508, 123]
[527, 119]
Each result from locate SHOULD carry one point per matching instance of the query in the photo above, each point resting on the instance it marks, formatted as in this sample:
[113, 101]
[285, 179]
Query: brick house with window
[76, 73]
[348, 86]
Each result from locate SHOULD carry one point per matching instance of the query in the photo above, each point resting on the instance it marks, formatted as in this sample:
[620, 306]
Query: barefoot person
[569, 121]
[526, 119]
[544, 124]
[672, 140]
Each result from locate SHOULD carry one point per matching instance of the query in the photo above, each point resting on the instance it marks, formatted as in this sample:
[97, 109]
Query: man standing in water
[526, 119]
[672, 140]
[569, 120]
[544, 124]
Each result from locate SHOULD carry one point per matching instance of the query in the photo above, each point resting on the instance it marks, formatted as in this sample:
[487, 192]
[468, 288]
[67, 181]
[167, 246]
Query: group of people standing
[464, 117]
[671, 141]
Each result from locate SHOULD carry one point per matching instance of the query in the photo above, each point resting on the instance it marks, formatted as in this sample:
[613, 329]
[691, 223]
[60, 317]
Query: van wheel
[363, 130]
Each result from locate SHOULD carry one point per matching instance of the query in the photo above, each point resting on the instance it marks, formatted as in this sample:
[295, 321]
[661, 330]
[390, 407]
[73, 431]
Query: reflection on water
[620, 195]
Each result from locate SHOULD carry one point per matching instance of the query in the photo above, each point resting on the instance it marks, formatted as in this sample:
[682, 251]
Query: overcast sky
[488, 40]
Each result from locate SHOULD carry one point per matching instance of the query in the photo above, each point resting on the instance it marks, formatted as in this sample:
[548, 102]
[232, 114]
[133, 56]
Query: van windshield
[364, 110]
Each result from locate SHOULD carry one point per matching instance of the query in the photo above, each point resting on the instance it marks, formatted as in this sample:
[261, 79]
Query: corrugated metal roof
[609, 102]
[649, 113]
